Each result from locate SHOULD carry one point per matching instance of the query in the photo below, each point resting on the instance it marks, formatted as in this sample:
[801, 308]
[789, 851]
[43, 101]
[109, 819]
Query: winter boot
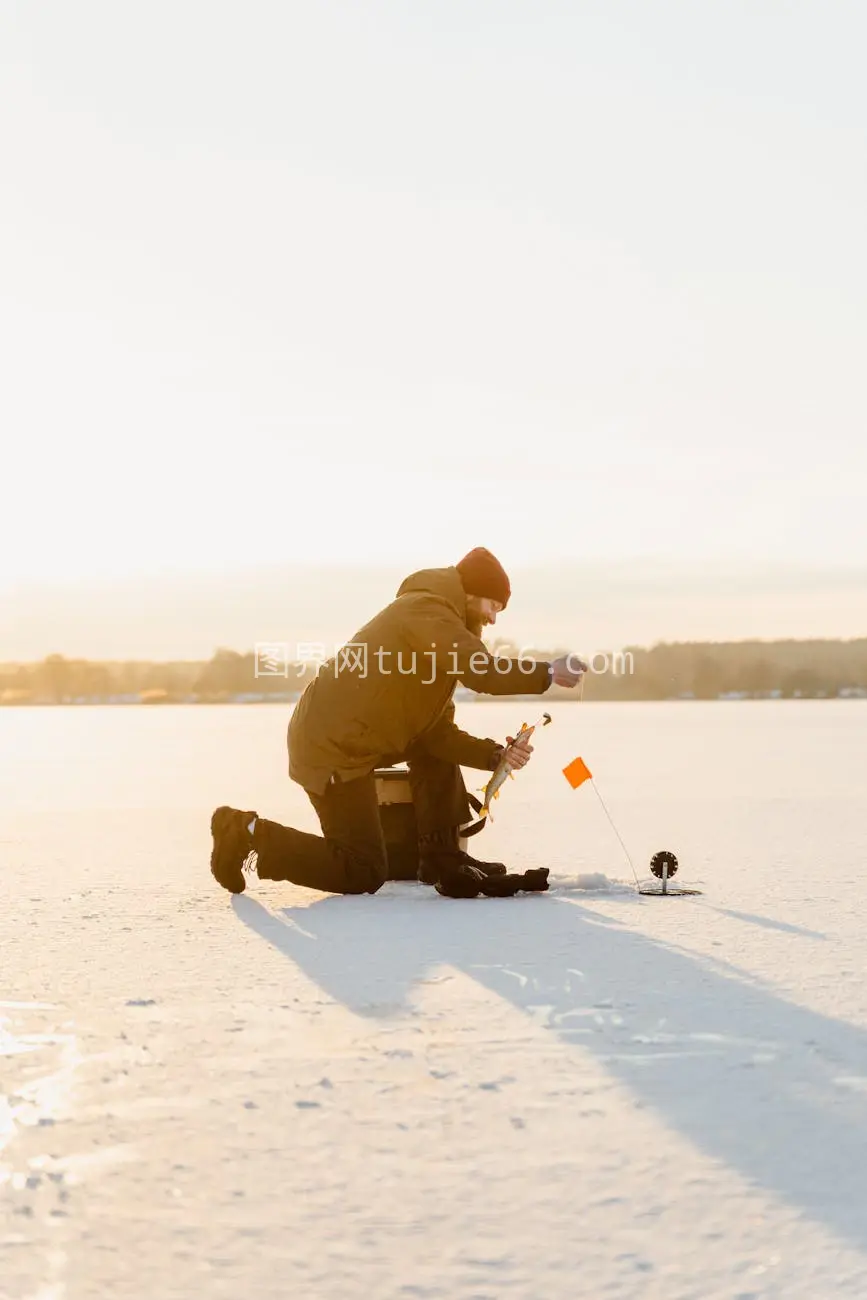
[233, 845]
[438, 851]
[486, 868]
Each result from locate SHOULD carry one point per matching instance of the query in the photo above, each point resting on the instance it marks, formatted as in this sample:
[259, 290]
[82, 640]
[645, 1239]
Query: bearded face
[481, 613]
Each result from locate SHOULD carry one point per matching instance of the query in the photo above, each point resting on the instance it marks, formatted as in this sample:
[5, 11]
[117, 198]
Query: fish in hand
[503, 770]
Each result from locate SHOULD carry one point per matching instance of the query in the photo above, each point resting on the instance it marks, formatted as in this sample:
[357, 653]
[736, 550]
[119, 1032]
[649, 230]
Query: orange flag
[577, 772]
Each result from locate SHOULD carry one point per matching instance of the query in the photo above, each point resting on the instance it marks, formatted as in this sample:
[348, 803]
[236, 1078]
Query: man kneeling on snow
[387, 698]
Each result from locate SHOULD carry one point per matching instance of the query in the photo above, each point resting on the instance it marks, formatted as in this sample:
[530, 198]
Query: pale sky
[291, 284]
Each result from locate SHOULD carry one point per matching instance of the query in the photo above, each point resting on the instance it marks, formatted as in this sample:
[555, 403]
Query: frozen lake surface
[582, 1093]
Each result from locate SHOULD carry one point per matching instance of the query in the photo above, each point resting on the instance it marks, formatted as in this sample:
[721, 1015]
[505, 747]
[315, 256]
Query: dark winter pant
[350, 856]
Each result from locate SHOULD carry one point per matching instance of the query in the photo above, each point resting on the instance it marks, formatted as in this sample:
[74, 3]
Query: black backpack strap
[473, 828]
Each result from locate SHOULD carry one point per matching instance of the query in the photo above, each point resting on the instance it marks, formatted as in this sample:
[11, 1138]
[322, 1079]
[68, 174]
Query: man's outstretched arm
[443, 641]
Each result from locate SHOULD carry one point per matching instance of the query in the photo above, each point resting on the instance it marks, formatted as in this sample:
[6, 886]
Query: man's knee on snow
[365, 874]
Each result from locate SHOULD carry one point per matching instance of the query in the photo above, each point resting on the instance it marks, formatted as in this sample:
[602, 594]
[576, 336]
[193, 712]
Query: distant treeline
[699, 670]
[761, 669]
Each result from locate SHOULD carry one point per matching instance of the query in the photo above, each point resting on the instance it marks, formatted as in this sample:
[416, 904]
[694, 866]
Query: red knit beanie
[483, 575]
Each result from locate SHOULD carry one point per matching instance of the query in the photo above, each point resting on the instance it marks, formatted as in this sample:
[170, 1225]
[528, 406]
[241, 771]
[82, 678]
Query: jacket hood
[443, 583]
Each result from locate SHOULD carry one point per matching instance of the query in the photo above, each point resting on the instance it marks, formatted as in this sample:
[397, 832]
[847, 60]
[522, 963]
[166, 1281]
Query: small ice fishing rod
[528, 731]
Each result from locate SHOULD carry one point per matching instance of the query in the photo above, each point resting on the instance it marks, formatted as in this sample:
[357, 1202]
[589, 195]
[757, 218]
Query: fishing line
[663, 864]
[602, 801]
[616, 831]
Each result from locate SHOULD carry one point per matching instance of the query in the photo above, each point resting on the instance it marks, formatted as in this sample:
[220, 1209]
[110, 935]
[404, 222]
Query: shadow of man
[775, 1090]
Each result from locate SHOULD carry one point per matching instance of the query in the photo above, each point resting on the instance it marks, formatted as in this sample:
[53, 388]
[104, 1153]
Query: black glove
[467, 882]
[534, 881]
[460, 882]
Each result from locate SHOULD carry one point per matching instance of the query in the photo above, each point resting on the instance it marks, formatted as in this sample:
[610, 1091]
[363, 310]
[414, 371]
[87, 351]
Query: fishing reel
[663, 863]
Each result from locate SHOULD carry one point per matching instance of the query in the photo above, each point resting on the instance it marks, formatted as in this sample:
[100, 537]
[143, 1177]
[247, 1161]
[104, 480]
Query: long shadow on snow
[775, 1090]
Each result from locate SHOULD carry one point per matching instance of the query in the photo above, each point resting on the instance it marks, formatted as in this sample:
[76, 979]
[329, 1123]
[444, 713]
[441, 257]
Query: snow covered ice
[581, 1093]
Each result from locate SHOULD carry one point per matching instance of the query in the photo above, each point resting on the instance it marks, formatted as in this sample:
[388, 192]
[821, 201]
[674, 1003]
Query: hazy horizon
[176, 616]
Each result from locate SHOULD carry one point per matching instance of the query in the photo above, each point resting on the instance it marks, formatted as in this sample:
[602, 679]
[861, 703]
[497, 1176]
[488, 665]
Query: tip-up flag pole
[576, 773]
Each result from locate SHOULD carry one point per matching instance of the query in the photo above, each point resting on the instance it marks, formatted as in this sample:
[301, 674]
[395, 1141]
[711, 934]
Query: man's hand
[518, 751]
[567, 671]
